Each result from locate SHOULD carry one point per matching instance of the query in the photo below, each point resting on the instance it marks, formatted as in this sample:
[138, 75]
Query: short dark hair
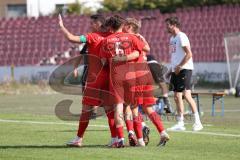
[173, 21]
[98, 17]
[115, 22]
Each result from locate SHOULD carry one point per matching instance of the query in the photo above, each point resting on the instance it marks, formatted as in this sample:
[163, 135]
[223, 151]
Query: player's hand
[75, 73]
[119, 58]
[178, 69]
[60, 21]
[168, 75]
[104, 61]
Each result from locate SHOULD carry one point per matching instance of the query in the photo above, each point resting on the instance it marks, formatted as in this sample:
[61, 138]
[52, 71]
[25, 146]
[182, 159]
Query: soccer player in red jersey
[97, 78]
[122, 74]
[135, 26]
[146, 99]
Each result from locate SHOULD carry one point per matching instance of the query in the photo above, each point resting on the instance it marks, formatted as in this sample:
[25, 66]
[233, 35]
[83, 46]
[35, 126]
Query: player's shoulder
[94, 34]
[182, 34]
[131, 36]
[103, 34]
[106, 34]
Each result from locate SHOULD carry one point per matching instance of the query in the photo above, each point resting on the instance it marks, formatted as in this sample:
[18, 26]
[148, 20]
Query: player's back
[94, 40]
[122, 73]
[120, 44]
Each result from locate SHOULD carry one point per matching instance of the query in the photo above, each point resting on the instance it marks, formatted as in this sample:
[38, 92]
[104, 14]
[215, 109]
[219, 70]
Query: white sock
[163, 133]
[120, 139]
[140, 140]
[165, 95]
[114, 139]
[196, 117]
[78, 138]
[143, 124]
[180, 119]
[131, 131]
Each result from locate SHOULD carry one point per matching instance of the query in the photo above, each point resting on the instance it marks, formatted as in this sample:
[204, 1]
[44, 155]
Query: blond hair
[136, 24]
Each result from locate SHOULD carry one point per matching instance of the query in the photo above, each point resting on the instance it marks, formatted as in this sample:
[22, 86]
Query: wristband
[83, 39]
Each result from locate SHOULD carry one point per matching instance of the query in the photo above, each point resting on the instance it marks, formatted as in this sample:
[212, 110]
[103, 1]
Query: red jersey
[94, 62]
[98, 75]
[93, 40]
[122, 74]
[120, 44]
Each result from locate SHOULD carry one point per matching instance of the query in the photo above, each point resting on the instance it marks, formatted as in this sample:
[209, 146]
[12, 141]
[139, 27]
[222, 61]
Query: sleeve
[90, 38]
[184, 40]
[138, 44]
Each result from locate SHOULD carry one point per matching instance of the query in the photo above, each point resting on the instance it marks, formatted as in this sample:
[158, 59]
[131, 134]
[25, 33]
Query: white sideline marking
[105, 126]
[226, 110]
[210, 133]
[207, 125]
[51, 123]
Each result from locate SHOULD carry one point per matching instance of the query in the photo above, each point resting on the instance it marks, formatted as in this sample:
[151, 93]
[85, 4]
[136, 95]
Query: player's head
[115, 23]
[132, 25]
[96, 22]
[172, 23]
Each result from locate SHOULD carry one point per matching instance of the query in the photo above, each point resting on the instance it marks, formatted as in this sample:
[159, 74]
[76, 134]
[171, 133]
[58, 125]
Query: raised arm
[66, 33]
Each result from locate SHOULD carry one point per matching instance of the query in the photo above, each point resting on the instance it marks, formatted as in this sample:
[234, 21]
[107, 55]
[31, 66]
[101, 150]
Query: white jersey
[177, 52]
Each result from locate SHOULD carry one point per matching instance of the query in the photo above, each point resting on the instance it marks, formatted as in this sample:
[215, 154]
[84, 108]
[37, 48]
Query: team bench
[216, 96]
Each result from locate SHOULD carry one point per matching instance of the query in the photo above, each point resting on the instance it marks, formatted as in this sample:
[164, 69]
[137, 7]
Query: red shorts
[132, 83]
[144, 85]
[96, 88]
[122, 80]
[144, 95]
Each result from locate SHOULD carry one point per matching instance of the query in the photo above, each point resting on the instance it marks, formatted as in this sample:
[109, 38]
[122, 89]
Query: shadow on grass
[49, 146]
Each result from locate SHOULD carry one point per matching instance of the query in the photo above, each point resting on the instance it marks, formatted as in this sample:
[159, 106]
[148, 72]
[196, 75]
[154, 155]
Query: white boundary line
[104, 126]
[210, 133]
[49, 123]
[167, 122]
[226, 110]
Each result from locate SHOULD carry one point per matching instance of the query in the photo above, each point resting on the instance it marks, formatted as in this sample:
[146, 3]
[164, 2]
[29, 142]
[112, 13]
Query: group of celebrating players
[118, 79]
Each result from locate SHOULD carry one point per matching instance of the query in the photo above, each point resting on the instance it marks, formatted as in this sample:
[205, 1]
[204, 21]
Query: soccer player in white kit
[181, 72]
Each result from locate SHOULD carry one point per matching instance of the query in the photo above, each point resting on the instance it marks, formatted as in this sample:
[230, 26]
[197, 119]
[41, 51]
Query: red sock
[120, 132]
[111, 123]
[137, 123]
[83, 123]
[129, 124]
[156, 120]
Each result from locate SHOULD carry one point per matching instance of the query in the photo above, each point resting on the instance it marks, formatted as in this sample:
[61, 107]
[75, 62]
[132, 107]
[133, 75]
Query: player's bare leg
[145, 129]
[94, 112]
[197, 126]
[129, 124]
[119, 121]
[180, 112]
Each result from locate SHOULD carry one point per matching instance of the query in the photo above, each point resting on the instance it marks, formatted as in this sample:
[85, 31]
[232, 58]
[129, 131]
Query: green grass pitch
[21, 138]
